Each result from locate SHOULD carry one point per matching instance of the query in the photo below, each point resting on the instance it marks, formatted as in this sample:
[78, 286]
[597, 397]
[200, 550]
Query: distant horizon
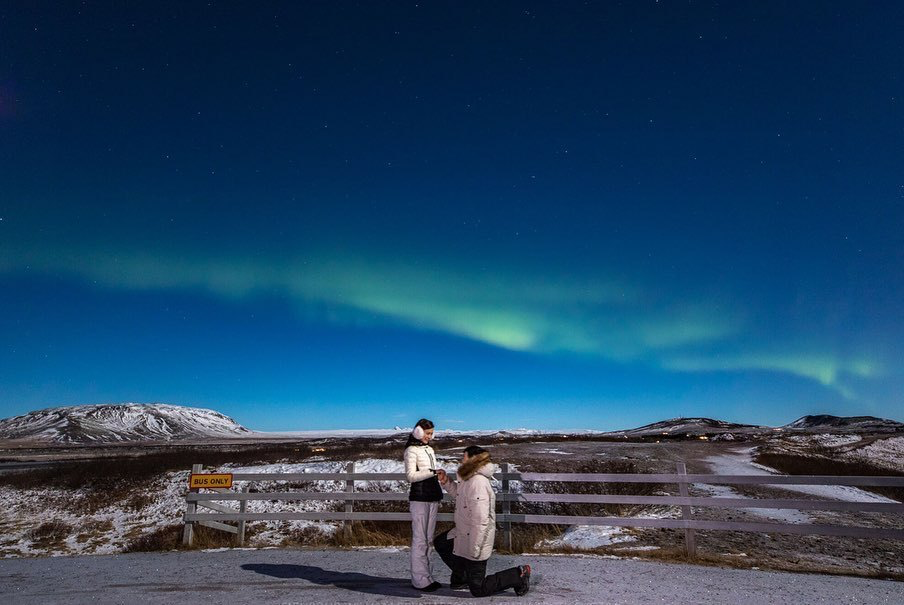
[440, 428]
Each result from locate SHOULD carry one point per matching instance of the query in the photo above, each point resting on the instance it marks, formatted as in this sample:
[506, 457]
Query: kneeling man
[467, 547]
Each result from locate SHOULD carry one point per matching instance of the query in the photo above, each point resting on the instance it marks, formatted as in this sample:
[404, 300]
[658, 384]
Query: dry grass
[138, 501]
[526, 536]
[398, 533]
[49, 534]
[307, 536]
[94, 531]
[373, 533]
[169, 537]
[98, 527]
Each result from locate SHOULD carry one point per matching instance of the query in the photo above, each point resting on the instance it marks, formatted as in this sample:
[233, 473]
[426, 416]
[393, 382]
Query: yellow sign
[210, 480]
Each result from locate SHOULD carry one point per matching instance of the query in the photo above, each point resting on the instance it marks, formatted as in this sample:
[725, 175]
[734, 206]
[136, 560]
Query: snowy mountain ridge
[111, 423]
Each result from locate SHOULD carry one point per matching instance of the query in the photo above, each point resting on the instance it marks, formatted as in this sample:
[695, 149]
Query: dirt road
[381, 576]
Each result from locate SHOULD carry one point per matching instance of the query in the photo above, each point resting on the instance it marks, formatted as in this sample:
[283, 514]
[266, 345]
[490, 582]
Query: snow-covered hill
[822, 423]
[120, 422]
[689, 426]
[826, 422]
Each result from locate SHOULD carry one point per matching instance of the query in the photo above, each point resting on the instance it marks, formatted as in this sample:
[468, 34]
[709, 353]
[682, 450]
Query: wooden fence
[219, 514]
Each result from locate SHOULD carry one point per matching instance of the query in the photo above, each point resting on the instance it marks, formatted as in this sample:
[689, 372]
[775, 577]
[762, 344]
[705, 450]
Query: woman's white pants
[423, 526]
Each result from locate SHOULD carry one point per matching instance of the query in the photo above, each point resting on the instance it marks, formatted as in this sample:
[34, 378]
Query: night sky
[495, 215]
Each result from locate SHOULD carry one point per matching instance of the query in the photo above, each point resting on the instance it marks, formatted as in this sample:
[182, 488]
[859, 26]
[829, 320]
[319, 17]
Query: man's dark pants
[474, 573]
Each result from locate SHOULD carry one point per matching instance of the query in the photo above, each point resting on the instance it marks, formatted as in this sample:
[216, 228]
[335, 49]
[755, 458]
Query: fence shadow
[355, 581]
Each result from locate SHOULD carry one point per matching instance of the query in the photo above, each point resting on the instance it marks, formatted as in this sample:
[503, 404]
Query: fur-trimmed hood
[479, 463]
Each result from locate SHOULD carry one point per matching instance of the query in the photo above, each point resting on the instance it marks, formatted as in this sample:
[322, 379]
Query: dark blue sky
[331, 215]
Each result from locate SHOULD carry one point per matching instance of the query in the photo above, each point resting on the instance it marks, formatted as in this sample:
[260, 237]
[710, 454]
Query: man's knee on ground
[477, 589]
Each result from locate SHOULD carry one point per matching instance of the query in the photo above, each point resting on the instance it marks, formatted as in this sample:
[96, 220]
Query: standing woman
[424, 499]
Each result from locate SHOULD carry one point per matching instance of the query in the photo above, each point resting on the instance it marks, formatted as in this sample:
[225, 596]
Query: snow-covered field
[103, 531]
[160, 503]
[109, 529]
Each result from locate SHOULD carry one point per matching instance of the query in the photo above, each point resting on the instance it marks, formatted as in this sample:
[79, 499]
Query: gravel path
[381, 576]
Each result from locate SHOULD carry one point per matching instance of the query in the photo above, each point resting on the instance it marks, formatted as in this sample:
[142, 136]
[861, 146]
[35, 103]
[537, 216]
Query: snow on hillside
[888, 453]
[686, 426]
[741, 463]
[120, 422]
[825, 440]
[827, 422]
[877, 450]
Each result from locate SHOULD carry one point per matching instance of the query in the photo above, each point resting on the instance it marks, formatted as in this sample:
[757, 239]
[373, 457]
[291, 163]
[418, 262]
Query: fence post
[506, 509]
[188, 533]
[349, 504]
[690, 540]
[243, 505]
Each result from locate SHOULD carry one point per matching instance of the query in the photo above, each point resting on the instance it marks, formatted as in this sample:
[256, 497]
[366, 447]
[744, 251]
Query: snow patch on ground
[586, 537]
[384, 549]
[778, 514]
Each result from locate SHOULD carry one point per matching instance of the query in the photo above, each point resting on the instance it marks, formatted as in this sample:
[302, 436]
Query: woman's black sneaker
[525, 581]
[432, 587]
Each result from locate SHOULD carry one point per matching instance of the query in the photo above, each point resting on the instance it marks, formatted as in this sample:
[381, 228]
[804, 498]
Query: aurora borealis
[330, 215]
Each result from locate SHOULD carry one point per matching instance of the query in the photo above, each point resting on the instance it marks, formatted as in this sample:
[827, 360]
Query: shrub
[50, 533]
[168, 537]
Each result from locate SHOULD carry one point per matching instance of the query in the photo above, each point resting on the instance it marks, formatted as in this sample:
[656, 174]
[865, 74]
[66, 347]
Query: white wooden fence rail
[219, 514]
